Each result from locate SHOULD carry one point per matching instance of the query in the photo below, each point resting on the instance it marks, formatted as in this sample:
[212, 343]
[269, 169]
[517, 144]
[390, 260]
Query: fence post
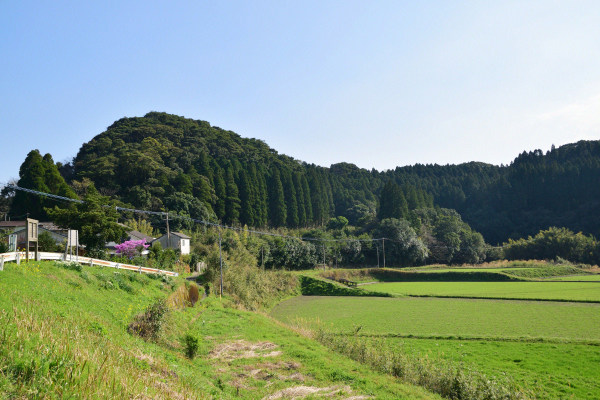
[18, 258]
[1, 263]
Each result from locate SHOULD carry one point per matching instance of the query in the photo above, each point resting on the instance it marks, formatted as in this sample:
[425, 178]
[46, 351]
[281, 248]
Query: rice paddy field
[544, 336]
[567, 291]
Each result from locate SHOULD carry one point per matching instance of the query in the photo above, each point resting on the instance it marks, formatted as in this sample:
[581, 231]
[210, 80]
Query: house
[59, 238]
[19, 228]
[178, 241]
[14, 225]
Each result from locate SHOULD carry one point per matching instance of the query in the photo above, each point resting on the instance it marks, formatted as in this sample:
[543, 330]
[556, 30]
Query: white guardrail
[21, 256]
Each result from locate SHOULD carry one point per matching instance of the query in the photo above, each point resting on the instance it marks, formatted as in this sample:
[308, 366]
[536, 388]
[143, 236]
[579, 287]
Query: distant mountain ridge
[166, 161]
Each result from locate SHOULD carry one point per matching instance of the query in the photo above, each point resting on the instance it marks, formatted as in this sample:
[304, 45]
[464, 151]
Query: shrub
[194, 294]
[147, 325]
[191, 346]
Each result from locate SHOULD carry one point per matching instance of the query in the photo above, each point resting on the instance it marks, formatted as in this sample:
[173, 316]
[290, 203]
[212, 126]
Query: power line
[199, 221]
[214, 224]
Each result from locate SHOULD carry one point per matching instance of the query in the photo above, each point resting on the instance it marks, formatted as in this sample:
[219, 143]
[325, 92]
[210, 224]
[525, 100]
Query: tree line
[164, 162]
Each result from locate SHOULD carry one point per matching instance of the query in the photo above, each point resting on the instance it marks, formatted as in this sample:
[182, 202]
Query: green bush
[191, 346]
[148, 324]
[315, 287]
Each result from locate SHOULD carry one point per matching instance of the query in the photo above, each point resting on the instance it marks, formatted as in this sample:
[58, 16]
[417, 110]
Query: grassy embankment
[64, 335]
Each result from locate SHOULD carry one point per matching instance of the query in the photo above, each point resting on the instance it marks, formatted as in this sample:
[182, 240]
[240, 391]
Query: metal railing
[19, 256]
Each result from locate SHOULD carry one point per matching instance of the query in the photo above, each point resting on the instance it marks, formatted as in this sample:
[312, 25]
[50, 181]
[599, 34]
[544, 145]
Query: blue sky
[379, 84]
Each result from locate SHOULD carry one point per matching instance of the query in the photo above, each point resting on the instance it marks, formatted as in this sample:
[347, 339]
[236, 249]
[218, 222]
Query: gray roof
[139, 236]
[181, 235]
[178, 234]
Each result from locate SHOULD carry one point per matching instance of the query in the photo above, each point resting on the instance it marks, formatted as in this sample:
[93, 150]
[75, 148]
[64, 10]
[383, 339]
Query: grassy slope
[64, 335]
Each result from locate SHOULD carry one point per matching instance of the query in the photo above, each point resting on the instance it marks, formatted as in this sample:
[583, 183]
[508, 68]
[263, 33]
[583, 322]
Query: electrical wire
[208, 223]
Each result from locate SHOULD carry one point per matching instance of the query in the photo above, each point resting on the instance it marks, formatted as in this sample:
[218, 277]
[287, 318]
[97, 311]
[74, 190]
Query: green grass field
[458, 318]
[570, 291]
[549, 348]
[64, 335]
[550, 370]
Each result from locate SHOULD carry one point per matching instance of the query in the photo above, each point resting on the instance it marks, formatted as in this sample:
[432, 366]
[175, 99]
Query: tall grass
[43, 356]
[450, 381]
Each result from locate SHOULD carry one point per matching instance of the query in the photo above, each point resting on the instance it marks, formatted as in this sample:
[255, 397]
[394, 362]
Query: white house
[179, 241]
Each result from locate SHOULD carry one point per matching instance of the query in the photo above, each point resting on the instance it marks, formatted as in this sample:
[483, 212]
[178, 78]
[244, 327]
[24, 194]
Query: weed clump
[73, 266]
[186, 295]
[147, 325]
[194, 294]
[191, 346]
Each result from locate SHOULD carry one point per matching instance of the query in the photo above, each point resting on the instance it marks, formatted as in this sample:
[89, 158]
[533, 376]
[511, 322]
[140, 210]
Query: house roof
[178, 234]
[15, 224]
[139, 236]
[57, 236]
[181, 235]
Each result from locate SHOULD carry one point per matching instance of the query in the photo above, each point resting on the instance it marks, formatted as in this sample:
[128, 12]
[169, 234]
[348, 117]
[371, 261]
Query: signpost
[72, 240]
[32, 236]
[12, 243]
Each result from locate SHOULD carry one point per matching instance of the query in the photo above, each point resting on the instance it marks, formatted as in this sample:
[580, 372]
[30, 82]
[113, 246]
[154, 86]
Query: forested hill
[162, 161]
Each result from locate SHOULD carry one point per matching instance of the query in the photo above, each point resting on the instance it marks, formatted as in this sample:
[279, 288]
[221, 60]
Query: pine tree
[291, 202]
[39, 174]
[262, 197]
[300, 198]
[247, 200]
[307, 200]
[392, 203]
[221, 194]
[232, 199]
[278, 210]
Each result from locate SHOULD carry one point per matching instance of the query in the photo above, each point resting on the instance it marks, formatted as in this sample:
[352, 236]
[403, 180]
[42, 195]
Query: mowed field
[568, 291]
[549, 348]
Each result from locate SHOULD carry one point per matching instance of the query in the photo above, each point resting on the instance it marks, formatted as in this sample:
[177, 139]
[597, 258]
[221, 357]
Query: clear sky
[376, 83]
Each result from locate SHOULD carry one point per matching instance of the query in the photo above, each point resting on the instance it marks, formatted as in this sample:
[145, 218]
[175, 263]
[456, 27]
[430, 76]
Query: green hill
[145, 160]
[162, 161]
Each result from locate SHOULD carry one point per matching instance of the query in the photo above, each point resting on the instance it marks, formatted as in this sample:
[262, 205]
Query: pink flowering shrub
[131, 248]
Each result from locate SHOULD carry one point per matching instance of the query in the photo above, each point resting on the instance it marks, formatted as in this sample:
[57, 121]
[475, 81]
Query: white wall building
[179, 241]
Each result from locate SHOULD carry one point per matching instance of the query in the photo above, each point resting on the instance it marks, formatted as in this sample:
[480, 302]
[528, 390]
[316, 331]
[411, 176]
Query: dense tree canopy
[41, 174]
[96, 223]
[143, 162]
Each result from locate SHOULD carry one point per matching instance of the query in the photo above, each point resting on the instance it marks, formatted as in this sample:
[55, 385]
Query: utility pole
[383, 252]
[377, 247]
[221, 262]
[168, 233]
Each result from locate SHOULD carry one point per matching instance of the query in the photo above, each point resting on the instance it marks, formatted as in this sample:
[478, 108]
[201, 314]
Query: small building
[59, 238]
[14, 225]
[178, 241]
[19, 228]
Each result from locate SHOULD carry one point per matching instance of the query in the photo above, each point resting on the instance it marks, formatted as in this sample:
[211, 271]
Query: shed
[179, 241]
